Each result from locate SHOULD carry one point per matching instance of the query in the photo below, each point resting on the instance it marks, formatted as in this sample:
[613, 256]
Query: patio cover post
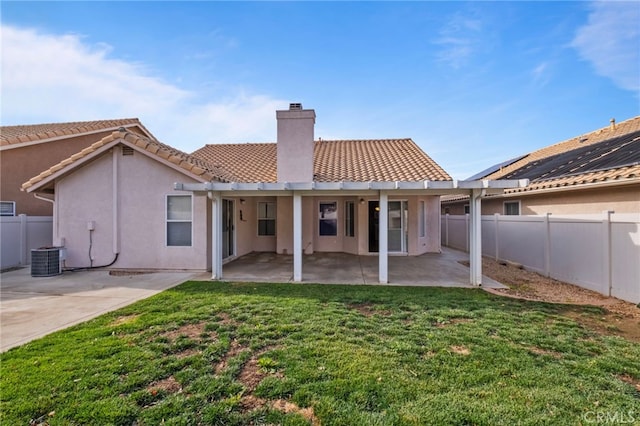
[383, 239]
[297, 237]
[475, 239]
[216, 235]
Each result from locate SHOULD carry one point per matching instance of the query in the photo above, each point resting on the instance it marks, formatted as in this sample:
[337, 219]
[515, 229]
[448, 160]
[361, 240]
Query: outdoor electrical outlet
[91, 225]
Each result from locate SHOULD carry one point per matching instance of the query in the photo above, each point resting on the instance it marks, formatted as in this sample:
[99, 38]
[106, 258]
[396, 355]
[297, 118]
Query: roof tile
[11, 135]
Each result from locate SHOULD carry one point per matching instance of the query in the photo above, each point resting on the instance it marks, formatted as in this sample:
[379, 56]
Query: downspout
[54, 236]
[116, 228]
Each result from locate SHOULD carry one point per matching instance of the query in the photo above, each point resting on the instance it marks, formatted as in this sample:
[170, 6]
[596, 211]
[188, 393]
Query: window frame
[504, 208]
[322, 219]
[466, 208]
[349, 219]
[168, 221]
[260, 218]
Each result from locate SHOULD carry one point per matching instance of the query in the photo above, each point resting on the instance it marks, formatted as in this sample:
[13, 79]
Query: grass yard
[227, 353]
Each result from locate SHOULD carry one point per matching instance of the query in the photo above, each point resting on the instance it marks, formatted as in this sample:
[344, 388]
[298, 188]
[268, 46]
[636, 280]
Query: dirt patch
[235, 348]
[252, 402]
[460, 350]
[289, 407]
[368, 309]
[453, 321]
[632, 381]
[539, 351]
[225, 319]
[620, 318]
[191, 331]
[124, 320]
[170, 385]
[187, 353]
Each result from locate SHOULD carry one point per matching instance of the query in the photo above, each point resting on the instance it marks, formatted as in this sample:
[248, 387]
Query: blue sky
[472, 83]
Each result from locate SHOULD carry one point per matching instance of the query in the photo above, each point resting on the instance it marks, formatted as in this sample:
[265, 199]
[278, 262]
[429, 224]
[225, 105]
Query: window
[467, 209]
[328, 218]
[422, 226]
[179, 218]
[7, 208]
[512, 208]
[266, 219]
[349, 219]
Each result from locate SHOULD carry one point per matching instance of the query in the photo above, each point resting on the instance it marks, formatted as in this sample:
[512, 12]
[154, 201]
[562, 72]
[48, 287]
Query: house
[27, 150]
[587, 174]
[128, 201]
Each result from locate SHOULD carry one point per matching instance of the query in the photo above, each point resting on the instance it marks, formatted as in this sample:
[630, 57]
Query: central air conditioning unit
[47, 261]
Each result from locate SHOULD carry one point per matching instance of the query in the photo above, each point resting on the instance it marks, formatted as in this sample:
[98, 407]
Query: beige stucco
[87, 195]
[20, 163]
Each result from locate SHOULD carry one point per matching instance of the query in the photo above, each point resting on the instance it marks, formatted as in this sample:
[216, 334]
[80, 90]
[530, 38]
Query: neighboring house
[591, 173]
[27, 150]
[131, 202]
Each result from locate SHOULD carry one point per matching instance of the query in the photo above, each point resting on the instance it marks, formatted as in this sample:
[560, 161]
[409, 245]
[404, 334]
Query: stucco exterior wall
[19, 164]
[140, 204]
[622, 199]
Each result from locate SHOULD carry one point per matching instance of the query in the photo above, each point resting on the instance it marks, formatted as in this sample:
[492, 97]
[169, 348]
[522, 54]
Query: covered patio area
[431, 269]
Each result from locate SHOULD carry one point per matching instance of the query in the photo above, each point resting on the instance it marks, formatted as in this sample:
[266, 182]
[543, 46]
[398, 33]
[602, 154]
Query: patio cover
[476, 189]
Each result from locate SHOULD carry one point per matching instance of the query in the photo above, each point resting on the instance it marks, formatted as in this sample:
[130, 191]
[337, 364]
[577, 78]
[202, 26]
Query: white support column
[297, 237]
[216, 235]
[383, 239]
[475, 238]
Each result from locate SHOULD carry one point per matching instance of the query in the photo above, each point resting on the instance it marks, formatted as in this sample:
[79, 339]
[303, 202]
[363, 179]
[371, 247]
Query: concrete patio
[437, 270]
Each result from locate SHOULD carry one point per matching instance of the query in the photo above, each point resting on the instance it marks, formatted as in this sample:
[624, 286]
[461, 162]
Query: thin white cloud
[610, 40]
[61, 78]
[459, 39]
[540, 74]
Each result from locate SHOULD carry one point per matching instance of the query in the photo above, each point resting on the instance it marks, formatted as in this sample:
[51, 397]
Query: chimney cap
[295, 106]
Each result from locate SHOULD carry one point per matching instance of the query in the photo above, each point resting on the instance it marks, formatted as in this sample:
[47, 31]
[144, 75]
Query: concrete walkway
[34, 307]
[437, 270]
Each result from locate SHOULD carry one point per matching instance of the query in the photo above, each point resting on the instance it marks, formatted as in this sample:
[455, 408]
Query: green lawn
[227, 353]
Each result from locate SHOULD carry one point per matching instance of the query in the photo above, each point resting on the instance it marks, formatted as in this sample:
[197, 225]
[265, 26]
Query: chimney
[612, 124]
[295, 144]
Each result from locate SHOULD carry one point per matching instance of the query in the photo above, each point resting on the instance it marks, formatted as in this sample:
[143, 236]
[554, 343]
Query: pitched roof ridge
[35, 133]
[55, 123]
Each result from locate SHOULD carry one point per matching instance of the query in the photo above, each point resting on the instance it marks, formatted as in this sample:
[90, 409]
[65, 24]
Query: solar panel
[610, 154]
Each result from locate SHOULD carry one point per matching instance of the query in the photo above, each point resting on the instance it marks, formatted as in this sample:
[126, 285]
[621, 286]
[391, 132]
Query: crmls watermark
[611, 417]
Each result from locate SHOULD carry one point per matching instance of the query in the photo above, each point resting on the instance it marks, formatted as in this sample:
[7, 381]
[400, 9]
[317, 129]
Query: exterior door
[228, 229]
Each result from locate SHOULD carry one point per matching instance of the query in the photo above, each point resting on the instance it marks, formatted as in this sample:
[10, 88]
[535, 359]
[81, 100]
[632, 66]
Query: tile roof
[189, 163]
[16, 135]
[334, 160]
[348, 160]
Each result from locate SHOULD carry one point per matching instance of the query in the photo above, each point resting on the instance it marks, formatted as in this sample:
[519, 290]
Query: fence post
[547, 245]
[496, 219]
[606, 234]
[23, 239]
[446, 229]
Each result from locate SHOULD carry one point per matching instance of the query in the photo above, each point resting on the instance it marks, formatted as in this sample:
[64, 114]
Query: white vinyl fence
[20, 234]
[597, 252]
